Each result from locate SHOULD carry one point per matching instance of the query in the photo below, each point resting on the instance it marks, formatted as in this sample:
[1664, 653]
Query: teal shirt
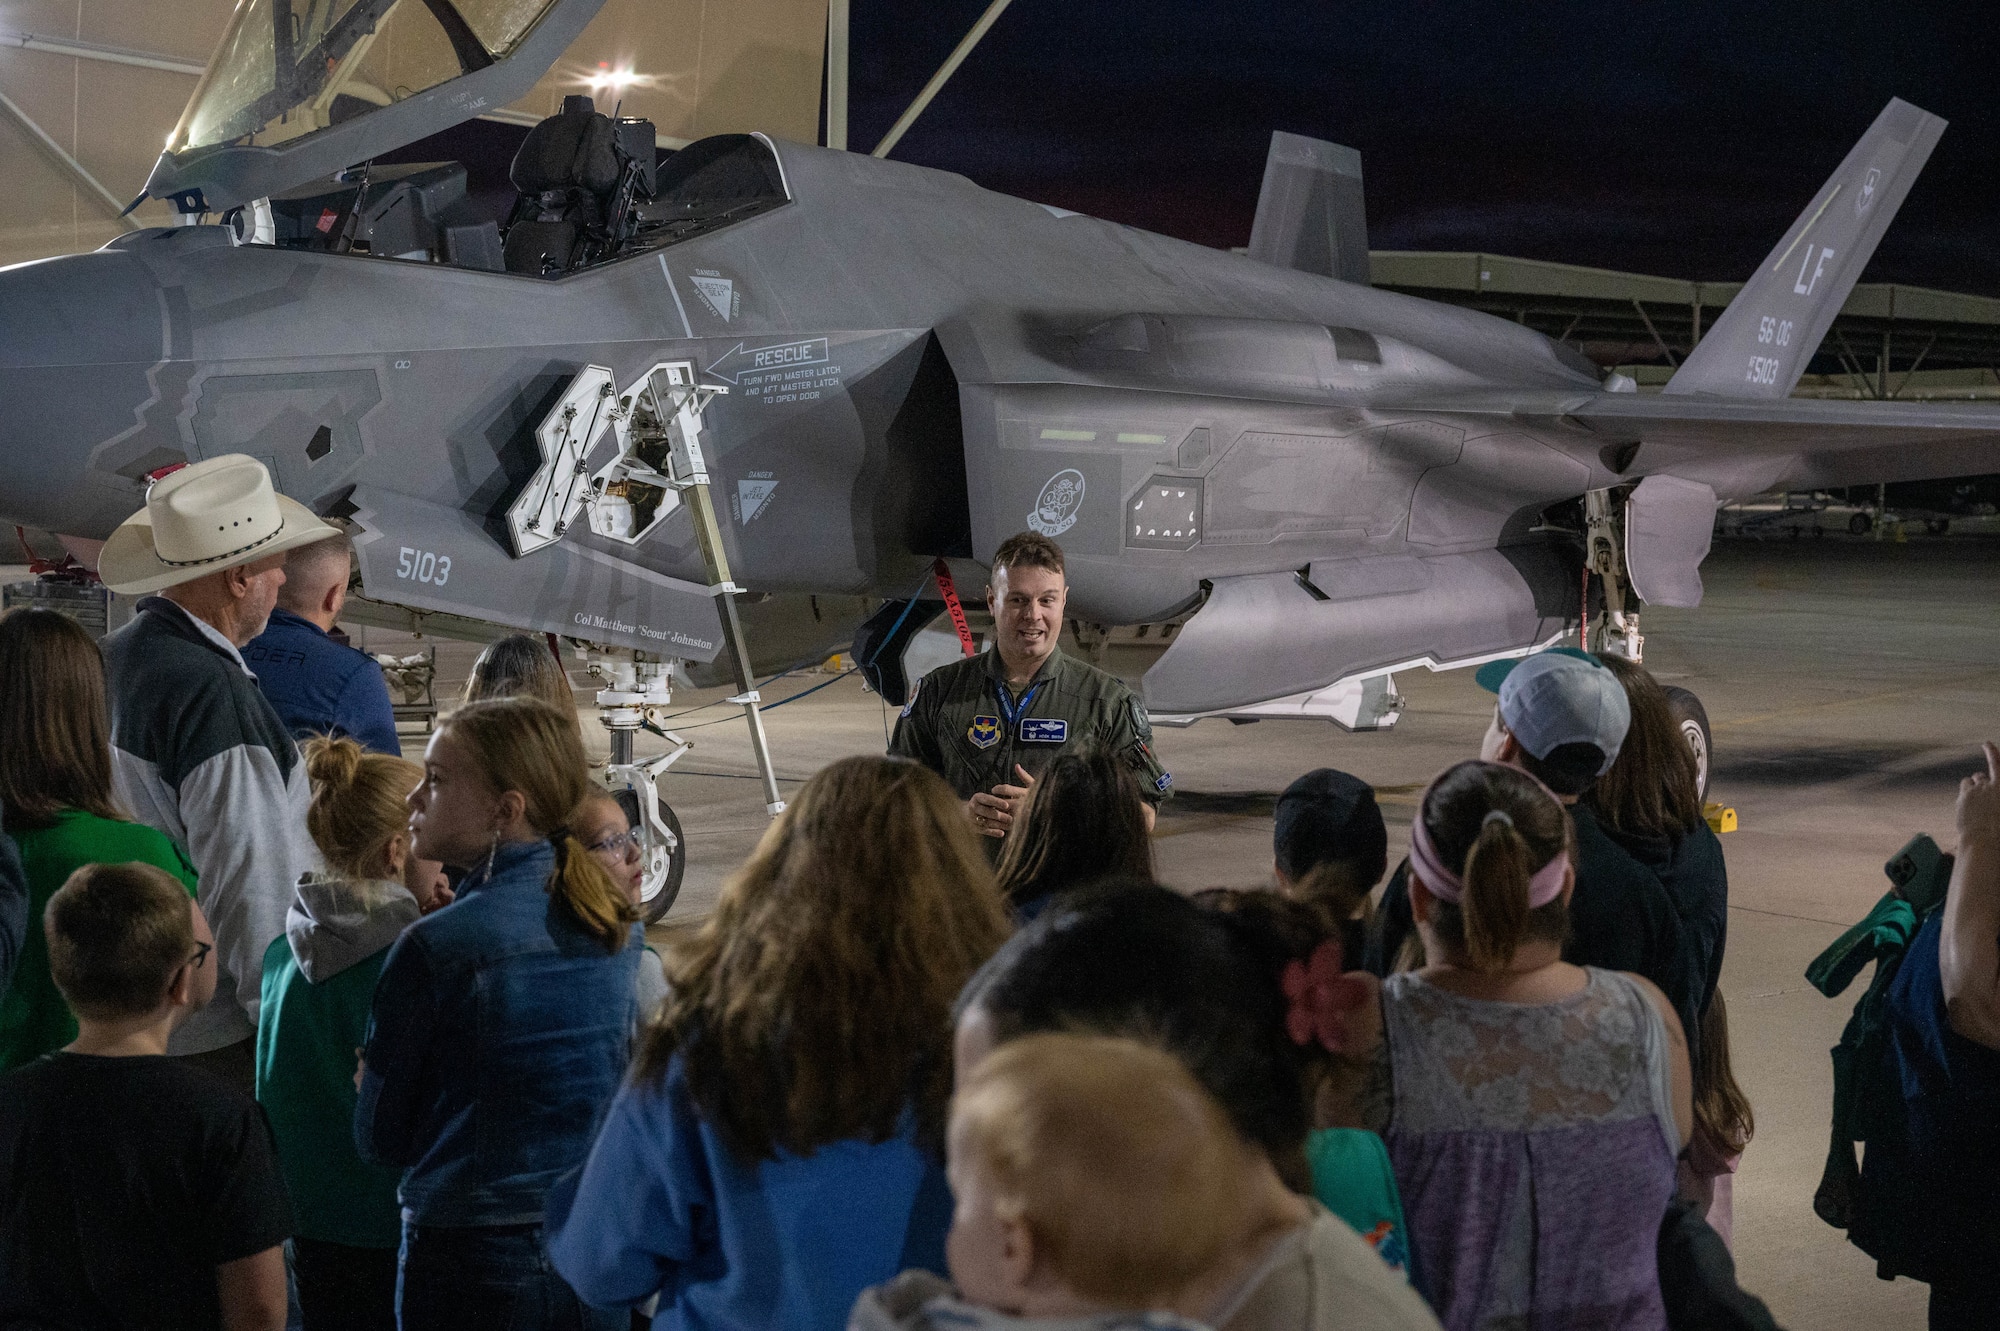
[306, 1043]
[34, 1020]
[1353, 1179]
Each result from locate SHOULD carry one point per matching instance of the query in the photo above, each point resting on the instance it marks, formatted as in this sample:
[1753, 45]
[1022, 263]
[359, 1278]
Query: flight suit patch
[1165, 783]
[1044, 730]
[984, 732]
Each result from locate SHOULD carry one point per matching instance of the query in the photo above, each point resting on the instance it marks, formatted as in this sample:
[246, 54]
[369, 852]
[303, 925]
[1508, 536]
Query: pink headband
[1544, 885]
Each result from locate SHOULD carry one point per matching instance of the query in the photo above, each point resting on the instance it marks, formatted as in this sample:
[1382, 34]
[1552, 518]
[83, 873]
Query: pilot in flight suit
[976, 721]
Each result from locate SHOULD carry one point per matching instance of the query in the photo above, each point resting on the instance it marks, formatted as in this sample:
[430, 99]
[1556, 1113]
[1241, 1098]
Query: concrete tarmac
[1848, 683]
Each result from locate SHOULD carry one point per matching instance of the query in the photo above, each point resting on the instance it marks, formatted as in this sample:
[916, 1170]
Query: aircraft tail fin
[1309, 213]
[1764, 340]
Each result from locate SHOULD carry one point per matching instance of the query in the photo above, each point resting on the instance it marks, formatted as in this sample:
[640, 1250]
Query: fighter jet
[1316, 482]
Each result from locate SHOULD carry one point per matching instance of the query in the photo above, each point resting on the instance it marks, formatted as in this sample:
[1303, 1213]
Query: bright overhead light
[617, 80]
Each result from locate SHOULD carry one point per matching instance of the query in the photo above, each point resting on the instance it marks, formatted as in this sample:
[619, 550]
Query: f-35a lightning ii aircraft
[1325, 482]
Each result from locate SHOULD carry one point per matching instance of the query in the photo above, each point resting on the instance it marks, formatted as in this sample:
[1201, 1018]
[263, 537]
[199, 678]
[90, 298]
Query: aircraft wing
[1727, 418]
[1730, 443]
[1826, 443]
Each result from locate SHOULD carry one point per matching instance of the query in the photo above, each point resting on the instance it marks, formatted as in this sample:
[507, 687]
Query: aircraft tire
[652, 909]
[1860, 524]
[1691, 719]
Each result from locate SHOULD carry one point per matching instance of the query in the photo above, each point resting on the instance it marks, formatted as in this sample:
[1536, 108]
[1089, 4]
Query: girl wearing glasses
[601, 825]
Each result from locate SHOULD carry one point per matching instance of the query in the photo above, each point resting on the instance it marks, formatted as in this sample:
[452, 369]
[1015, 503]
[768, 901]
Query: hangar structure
[1889, 341]
[91, 89]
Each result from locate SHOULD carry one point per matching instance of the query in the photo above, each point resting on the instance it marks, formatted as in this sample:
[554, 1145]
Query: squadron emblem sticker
[984, 732]
[1055, 511]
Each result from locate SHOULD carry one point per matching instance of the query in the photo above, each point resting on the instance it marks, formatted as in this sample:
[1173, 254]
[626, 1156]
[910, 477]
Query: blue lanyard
[1010, 709]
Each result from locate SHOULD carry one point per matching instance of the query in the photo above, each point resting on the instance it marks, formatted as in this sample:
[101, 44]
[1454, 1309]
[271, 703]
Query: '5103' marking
[413, 565]
[1763, 370]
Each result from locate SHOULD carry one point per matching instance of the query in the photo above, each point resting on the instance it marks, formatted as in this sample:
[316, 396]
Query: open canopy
[301, 88]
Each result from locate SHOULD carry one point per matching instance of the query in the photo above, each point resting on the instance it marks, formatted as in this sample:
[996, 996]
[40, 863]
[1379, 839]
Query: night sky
[1671, 138]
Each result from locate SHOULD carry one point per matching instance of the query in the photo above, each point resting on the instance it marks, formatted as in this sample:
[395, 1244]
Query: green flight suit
[963, 723]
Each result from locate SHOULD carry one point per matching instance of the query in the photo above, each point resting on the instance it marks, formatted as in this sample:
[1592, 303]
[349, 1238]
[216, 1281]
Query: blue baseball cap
[1561, 696]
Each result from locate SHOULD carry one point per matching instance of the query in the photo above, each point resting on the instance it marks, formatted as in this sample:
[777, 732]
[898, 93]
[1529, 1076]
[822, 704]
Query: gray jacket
[920, 1301]
[197, 753]
[335, 923]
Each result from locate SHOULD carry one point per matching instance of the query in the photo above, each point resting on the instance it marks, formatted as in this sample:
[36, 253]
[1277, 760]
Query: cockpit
[298, 87]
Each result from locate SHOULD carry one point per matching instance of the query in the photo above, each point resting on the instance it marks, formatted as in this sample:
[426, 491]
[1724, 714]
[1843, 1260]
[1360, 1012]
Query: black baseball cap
[1327, 816]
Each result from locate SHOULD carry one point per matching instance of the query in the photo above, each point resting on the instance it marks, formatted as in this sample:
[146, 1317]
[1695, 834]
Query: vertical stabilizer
[1764, 340]
[1309, 213]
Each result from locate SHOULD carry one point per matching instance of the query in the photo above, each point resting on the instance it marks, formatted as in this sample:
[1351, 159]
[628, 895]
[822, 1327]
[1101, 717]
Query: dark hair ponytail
[1496, 892]
[1501, 825]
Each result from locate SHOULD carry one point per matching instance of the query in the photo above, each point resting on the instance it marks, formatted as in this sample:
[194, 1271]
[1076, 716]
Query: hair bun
[332, 762]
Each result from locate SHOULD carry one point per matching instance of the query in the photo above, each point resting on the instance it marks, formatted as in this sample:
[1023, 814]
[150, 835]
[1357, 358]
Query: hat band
[227, 554]
[1544, 884]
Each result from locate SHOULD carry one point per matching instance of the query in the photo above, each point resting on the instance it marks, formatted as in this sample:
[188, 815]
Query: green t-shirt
[1353, 1179]
[34, 1020]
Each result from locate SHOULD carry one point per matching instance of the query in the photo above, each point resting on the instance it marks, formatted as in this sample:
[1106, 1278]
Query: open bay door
[299, 89]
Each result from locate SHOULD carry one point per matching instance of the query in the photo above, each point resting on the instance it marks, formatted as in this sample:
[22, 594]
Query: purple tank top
[1534, 1146]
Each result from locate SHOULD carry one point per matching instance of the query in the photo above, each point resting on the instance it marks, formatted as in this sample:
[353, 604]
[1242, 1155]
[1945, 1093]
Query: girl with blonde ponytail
[500, 1027]
[319, 977]
[1533, 1109]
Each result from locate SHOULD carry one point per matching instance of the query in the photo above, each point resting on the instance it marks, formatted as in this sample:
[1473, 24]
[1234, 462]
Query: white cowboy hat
[208, 516]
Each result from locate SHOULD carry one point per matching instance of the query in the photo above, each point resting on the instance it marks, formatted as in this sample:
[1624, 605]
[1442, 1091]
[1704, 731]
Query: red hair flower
[1321, 997]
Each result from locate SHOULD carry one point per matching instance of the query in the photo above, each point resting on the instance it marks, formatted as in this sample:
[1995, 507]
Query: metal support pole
[1882, 370]
[945, 71]
[836, 74]
[76, 169]
[1658, 341]
[709, 533]
[78, 49]
[693, 474]
[1910, 373]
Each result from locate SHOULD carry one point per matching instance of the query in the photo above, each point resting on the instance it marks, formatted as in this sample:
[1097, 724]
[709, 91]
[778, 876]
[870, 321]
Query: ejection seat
[581, 176]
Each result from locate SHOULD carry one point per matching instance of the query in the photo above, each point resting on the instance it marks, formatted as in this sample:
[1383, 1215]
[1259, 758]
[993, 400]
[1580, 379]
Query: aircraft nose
[80, 309]
[77, 337]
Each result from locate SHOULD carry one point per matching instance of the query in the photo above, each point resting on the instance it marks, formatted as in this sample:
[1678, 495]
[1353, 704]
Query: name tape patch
[1044, 730]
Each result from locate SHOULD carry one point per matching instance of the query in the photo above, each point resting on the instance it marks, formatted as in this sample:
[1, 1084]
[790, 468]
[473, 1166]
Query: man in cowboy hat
[196, 750]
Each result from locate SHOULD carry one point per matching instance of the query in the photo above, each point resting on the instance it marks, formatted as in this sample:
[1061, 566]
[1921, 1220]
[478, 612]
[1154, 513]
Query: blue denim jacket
[498, 1035]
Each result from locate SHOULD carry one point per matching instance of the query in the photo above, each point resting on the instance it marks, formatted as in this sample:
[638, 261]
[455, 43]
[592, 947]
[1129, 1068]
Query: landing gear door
[1669, 523]
[299, 89]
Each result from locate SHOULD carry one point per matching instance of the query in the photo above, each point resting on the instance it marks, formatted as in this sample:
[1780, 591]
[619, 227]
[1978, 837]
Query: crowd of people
[305, 1033]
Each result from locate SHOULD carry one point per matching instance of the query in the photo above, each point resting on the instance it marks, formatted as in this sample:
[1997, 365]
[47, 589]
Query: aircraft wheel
[656, 899]
[1937, 526]
[1691, 719]
[1860, 524]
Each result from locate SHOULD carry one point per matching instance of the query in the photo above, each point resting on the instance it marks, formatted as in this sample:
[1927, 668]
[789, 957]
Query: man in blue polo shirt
[319, 686]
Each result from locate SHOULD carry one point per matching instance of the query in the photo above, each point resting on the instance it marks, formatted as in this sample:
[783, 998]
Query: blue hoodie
[665, 1207]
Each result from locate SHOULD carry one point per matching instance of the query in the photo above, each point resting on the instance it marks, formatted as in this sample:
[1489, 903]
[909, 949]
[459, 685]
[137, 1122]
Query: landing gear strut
[659, 464]
[637, 683]
[1604, 519]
